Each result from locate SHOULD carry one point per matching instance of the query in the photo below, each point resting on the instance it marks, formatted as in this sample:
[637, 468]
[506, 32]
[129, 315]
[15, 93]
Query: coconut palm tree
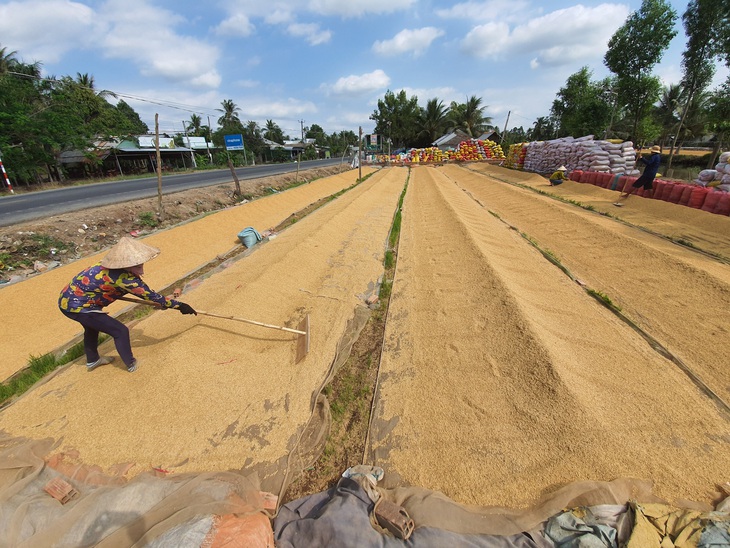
[696, 120]
[273, 132]
[469, 116]
[433, 120]
[668, 110]
[194, 126]
[86, 80]
[230, 112]
[7, 60]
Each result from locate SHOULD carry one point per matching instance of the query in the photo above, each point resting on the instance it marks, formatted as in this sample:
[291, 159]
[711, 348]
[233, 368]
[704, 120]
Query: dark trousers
[95, 323]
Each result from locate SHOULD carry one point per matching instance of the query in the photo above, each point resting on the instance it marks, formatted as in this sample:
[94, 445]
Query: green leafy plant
[45, 244]
[148, 218]
[37, 368]
[603, 298]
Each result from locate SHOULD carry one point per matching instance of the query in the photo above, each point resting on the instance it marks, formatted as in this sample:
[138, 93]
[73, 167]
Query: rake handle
[244, 320]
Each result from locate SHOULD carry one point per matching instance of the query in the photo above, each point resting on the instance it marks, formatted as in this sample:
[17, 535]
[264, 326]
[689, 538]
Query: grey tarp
[340, 517]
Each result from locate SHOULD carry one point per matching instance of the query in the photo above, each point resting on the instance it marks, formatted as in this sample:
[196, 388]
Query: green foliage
[317, 133]
[38, 367]
[605, 299]
[433, 122]
[40, 118]
[45, 244]
[273, 132]
[385, 289]
[469, 116]
[148, 218]
[396, 117]
[634, 49]
[641, 41]
[310, 153]
[544, 129]
[395, 230]
[583, 107]
[513, 136]
[279, 155]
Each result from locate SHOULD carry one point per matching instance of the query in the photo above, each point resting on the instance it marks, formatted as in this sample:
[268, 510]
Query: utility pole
[359, 161]
[160, 211]
[192, 154]
[5, 175]
[301, 122]
[390, 132]
[505, 127]
[613, 111]
[207, 143]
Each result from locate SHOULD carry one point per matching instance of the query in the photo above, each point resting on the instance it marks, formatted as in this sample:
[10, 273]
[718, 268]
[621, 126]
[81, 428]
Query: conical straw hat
[129, 252]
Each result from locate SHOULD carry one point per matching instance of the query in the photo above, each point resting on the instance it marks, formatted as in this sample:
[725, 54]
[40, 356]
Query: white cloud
[415, 41]
[560, 37]
[247, 83]
[280, 11]
[279, 16]
[488, 40]
[349, 119]
[524, 103]
[311, 32]
[487, 10]
[443, 94]
[236, 25]
[356, 8]
[45, 30]
[363, 83]
[277, 12]
[145, 35]
[265, 108]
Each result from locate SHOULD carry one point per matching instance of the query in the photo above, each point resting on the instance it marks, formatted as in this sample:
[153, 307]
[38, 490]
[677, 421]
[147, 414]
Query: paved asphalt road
[19, 208]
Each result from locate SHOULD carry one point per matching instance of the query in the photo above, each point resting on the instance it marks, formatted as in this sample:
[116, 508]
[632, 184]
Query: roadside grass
[38, 367]
[605, 299]
[40, 245]
[148, 219]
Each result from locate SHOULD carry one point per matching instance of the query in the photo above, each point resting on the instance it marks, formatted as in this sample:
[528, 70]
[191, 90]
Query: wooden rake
[302, 330]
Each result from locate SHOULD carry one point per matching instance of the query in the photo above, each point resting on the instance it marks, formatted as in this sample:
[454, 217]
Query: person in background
[559, 176]
[118, 273]
[647, 178]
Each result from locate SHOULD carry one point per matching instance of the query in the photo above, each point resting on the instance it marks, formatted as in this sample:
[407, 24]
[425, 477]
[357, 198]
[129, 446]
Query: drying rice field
[531, 341]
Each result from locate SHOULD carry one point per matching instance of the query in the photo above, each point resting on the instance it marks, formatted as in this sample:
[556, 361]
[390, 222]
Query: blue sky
[324, 62]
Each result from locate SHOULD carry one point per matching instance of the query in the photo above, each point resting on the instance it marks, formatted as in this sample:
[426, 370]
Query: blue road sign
[234, 142]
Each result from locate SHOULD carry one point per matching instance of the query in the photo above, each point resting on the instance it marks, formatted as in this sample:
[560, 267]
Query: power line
[169, 104]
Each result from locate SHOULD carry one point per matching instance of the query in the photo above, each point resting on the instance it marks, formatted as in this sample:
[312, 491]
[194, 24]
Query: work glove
[186, 309]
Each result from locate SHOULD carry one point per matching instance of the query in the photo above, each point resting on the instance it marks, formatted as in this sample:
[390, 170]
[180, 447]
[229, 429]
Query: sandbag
[249, 236]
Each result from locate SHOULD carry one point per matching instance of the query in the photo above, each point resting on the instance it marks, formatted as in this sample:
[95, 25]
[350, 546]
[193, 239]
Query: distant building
[451, 140]
[490, 135]
[125, 157]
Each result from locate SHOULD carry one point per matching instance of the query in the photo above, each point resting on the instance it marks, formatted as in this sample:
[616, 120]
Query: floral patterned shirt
[97, 287]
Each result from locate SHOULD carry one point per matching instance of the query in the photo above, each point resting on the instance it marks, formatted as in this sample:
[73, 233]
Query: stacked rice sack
[583, 153]
[516, 156]
[718, 177]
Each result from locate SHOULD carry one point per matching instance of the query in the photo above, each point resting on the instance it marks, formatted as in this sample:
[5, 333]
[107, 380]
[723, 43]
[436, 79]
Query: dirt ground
[68, 237]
